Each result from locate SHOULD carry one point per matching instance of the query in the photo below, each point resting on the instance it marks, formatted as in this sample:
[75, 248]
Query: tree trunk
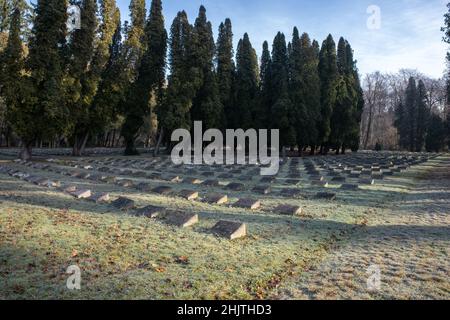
[79, 144]
[26, 152]
[158, 144]
[130, 147]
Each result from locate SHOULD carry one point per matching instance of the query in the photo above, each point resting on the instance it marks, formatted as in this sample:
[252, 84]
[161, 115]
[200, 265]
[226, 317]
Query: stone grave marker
[123, 203]
[144, 187]
[350, 186]
[230, 230]
[125, 183]
[211, 183]
[215, 198]
[192, 180]
[366, 181]
[262, 189]
[82, 194]
[188, 194]
[290, 193]
[181, 219]
[288, 210]
[99, 197]
[235, 186]
[248, 204]
[162, 190]
[150, 212]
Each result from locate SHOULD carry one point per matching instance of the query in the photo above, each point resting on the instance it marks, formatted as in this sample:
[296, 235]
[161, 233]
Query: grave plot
[99, 197]
[123, 203]
[188, 194]
[150, 212]
[262, 189]
[180, 219]
[235, 186]
[288, 210]
[162, 190]
[230, 230]
[247, 203]
[216, 198]
[82, 194]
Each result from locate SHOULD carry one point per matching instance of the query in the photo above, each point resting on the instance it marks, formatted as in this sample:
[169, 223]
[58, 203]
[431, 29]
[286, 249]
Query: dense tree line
[68, 88]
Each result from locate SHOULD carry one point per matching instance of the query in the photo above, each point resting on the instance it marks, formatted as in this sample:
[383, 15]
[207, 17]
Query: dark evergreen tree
[436, 134]
[134, 45]
[423, 115]
[150, 80]
[281, 110]
[305, 89]
[247, 73]
[265, 100]
[43, 113]
[206, 105]
[78, 84]
[112, 86]
[175, 111]
[225, 69]
[329, 76]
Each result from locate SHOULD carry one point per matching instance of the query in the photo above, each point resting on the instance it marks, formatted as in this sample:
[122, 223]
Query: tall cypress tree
[112, 86]
[282, 113]
[150, 80]
[225, 67]
[44, 113]
[174, 113]
[328, 73]
[423, 117]
[134, 45]
[305, 89]
[436, 134]
[206, 105]
[246, 85]
[265, 97]
[11, 69]
[81, 50]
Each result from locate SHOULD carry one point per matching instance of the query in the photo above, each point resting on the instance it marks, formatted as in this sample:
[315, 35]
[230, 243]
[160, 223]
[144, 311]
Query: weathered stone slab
[104, 169]
[262, 189]
[366, 181]
[230, 230]
[82, 194]
[349, 186]
[99, 197]
[123, 203]
[290, 193]
[246, 203]
[172, 178]
[125, 183]
[70, 189]
[181, 219]
[162, 190]
[338, 179]
[110, 179]
[211, 183]
[192, 180]
[269, 179]
[319, 183]
[150, 212]
[326, 195]
[377, 176]
[84, 175]
[288, 210]
[215, 198]
[235, 186]
[188, 194]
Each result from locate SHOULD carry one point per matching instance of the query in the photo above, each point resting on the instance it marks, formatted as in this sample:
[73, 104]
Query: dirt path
[408, 242]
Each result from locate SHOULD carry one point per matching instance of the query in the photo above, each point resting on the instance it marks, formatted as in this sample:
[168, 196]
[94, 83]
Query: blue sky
[409, 36]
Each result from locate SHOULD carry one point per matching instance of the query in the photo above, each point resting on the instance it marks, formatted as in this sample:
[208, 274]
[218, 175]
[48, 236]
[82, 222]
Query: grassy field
[400, 224]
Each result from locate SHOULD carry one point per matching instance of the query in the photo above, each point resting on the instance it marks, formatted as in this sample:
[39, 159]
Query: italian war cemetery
[153, 153]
